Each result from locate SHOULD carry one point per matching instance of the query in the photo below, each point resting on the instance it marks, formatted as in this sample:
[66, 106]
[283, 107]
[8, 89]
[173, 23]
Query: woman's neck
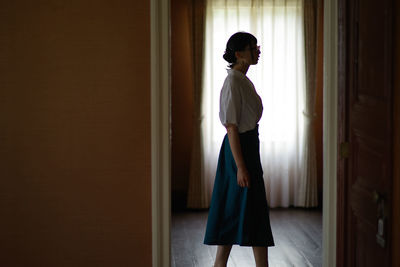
[243, 68]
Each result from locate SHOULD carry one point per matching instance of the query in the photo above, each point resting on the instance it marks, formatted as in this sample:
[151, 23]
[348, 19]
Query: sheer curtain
[279, 79]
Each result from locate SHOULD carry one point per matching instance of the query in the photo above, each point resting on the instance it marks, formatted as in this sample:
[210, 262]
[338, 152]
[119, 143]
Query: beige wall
[319, 100]
[75, 133]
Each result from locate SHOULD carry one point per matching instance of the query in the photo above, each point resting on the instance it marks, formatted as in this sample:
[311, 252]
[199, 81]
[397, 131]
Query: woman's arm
[243, 177]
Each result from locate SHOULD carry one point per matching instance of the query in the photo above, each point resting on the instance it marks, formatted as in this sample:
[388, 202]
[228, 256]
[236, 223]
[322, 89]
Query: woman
[239, 212]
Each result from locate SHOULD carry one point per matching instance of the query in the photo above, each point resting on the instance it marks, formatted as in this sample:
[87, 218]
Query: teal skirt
[239, 215]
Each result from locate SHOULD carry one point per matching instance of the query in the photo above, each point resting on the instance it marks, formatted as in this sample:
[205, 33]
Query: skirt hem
[240, 244]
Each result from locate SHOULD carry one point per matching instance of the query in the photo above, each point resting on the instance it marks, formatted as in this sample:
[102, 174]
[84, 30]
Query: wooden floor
[297, 234]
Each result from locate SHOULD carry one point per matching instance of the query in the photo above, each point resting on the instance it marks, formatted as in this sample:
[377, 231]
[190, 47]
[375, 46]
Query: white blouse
[239, 102]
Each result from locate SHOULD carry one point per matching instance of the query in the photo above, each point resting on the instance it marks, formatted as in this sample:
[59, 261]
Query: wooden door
[365, 133]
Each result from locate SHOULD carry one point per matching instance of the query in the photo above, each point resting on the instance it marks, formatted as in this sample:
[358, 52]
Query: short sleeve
[230, 103]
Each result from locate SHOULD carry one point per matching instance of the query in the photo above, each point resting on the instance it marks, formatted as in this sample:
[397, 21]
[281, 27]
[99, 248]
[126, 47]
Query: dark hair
[237, 42]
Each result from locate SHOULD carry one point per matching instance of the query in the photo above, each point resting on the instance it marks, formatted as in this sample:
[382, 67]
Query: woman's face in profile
[251, 54]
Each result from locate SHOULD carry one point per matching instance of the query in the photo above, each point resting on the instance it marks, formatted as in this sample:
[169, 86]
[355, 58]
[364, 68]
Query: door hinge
[344, 150]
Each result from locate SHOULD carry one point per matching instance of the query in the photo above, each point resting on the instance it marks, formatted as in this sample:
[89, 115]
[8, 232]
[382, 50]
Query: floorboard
[297, 234]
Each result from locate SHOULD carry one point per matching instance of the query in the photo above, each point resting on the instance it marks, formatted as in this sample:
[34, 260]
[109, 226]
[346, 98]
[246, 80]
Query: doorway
[161, 156]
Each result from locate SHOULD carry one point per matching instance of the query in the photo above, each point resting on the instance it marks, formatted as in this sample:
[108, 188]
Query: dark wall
[396, 141]
[75, 174]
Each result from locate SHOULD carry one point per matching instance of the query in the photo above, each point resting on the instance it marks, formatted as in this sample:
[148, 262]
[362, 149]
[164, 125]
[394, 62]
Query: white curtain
[279, 79]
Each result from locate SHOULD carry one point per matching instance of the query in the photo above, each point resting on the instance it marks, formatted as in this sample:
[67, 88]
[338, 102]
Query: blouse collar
[236, 72]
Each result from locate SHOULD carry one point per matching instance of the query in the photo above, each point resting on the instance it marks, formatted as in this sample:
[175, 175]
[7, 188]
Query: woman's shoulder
[234, 79]
[235, 74]
[231, 85]
[238, 80]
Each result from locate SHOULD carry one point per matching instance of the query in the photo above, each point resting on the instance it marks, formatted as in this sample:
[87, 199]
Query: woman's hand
[243, 177]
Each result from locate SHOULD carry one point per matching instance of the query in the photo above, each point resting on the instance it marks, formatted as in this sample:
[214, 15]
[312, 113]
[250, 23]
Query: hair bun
[229, 56]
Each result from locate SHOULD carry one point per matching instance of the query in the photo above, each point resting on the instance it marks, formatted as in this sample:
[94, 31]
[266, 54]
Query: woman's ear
[238, 55]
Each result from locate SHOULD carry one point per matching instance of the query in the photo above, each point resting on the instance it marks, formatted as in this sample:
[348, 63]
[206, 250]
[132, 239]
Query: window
[279, 79]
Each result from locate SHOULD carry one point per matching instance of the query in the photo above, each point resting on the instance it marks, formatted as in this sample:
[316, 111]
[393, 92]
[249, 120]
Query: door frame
[160, 132]
[330, 133]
